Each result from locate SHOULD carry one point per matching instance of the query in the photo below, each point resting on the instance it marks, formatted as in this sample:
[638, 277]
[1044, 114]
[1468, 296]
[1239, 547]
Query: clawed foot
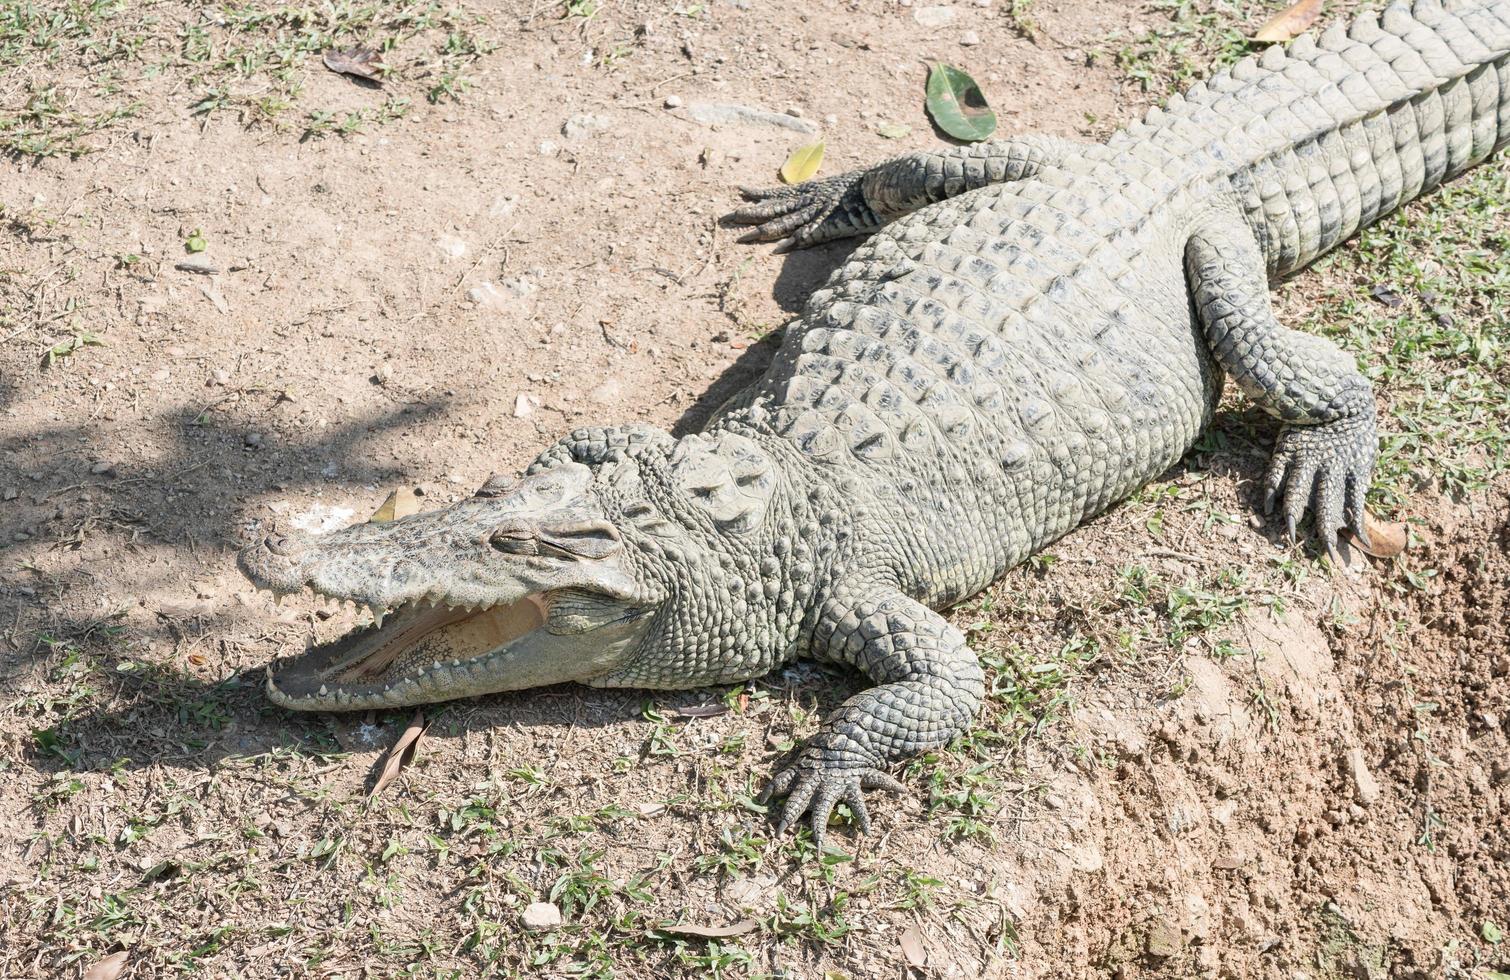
[814, 784]
[1328, 468]
[805, 214]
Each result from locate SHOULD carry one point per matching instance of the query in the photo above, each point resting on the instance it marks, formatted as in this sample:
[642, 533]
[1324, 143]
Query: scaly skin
[1035, 329]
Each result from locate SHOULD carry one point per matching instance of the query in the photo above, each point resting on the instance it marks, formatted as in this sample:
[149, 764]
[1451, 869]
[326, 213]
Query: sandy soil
[431, 300]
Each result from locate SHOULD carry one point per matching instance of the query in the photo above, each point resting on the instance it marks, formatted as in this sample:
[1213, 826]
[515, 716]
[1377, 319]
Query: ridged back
[1323, 137]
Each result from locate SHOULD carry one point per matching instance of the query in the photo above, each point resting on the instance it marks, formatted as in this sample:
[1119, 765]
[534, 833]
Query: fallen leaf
[893, 131]
[361, 61]
[108, 968]
[956, 104]
[802, 164]
[400, 503]
[1386, 539]
[912, 947]
[1387, 296]
[1289, 23]
[701, 710]
[712, 932]
[400, 755]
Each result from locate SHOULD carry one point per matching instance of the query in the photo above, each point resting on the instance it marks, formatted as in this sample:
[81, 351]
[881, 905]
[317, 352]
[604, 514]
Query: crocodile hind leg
[859, 202]
[929, 687]
[1327, 445]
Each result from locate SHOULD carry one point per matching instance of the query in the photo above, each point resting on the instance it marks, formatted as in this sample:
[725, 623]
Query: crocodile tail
[1324, 137]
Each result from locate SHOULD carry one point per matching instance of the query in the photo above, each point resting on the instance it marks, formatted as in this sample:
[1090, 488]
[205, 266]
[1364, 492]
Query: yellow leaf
[400, 503]
[802, 164]
[1290, 22]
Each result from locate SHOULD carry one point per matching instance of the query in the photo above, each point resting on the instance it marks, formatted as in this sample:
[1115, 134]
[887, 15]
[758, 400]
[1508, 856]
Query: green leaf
[196, 242]
[893, 131]
[75, 343]
[1491, 932]
[955, 103]
[802, 164]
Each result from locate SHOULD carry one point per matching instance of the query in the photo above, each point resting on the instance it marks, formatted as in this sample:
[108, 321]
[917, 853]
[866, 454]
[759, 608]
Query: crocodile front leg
[929, 687]
[859, 202]
[1326, 449]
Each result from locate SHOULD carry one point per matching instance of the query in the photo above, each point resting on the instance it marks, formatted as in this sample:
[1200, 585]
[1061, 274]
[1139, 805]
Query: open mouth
[418, 651]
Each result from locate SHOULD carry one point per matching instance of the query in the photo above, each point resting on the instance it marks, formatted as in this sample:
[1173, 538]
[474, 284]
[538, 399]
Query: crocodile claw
[1326, 469]
[814, 785]
[809, 213]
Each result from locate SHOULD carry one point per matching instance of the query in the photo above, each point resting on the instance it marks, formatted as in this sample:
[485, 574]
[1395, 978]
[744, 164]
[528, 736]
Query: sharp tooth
[324, 690]
[377, 616]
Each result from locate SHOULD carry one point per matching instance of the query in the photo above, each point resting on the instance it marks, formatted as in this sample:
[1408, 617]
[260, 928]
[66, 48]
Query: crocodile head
[520, 586]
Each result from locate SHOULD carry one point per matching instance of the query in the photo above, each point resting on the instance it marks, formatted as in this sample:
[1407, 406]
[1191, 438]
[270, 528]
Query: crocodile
[1034, 328]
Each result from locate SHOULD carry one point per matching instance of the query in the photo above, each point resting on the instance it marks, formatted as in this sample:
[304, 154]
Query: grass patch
[78, 70]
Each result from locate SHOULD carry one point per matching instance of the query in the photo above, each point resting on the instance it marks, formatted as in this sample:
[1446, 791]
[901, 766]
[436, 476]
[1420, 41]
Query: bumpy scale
[1034, 329]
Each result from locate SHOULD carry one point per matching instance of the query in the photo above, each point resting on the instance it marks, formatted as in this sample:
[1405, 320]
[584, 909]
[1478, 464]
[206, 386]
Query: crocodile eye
[514, 543]
[749, 479]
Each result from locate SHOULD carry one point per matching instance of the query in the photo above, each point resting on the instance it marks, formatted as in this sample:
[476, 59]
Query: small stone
[547, 148]
[969, 39]
[452, 246]
[743, 894]
[103, 468]
[673, 101]
[541, 917]
[583, 125]
[934, 16]
[525, 405]
[252, 439]
[11, 493]
[221, 376]
[1162, 941]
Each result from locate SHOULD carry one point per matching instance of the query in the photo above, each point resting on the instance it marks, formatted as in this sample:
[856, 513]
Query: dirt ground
[1203, 755]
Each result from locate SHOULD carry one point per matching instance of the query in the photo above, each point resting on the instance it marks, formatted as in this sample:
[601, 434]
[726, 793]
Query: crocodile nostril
[278, 544]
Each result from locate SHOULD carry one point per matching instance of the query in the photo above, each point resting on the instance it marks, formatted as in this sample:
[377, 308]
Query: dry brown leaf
[361, 61]
[1289, 23]
[108, 968]
[712, 932]
[400, 755]
[912, 947]
[400, 503]
[701, 710]
[1386, 539]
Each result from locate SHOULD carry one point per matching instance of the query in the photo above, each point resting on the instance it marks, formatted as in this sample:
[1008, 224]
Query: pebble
[525, 405]
[103, 468]
[253, 439]
[541, 917]
[710, 114]
[673, 101]
[969, 39]
[547, 148]
[934, 16]
[451, 245]
[584, 124]
[1162, 942]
